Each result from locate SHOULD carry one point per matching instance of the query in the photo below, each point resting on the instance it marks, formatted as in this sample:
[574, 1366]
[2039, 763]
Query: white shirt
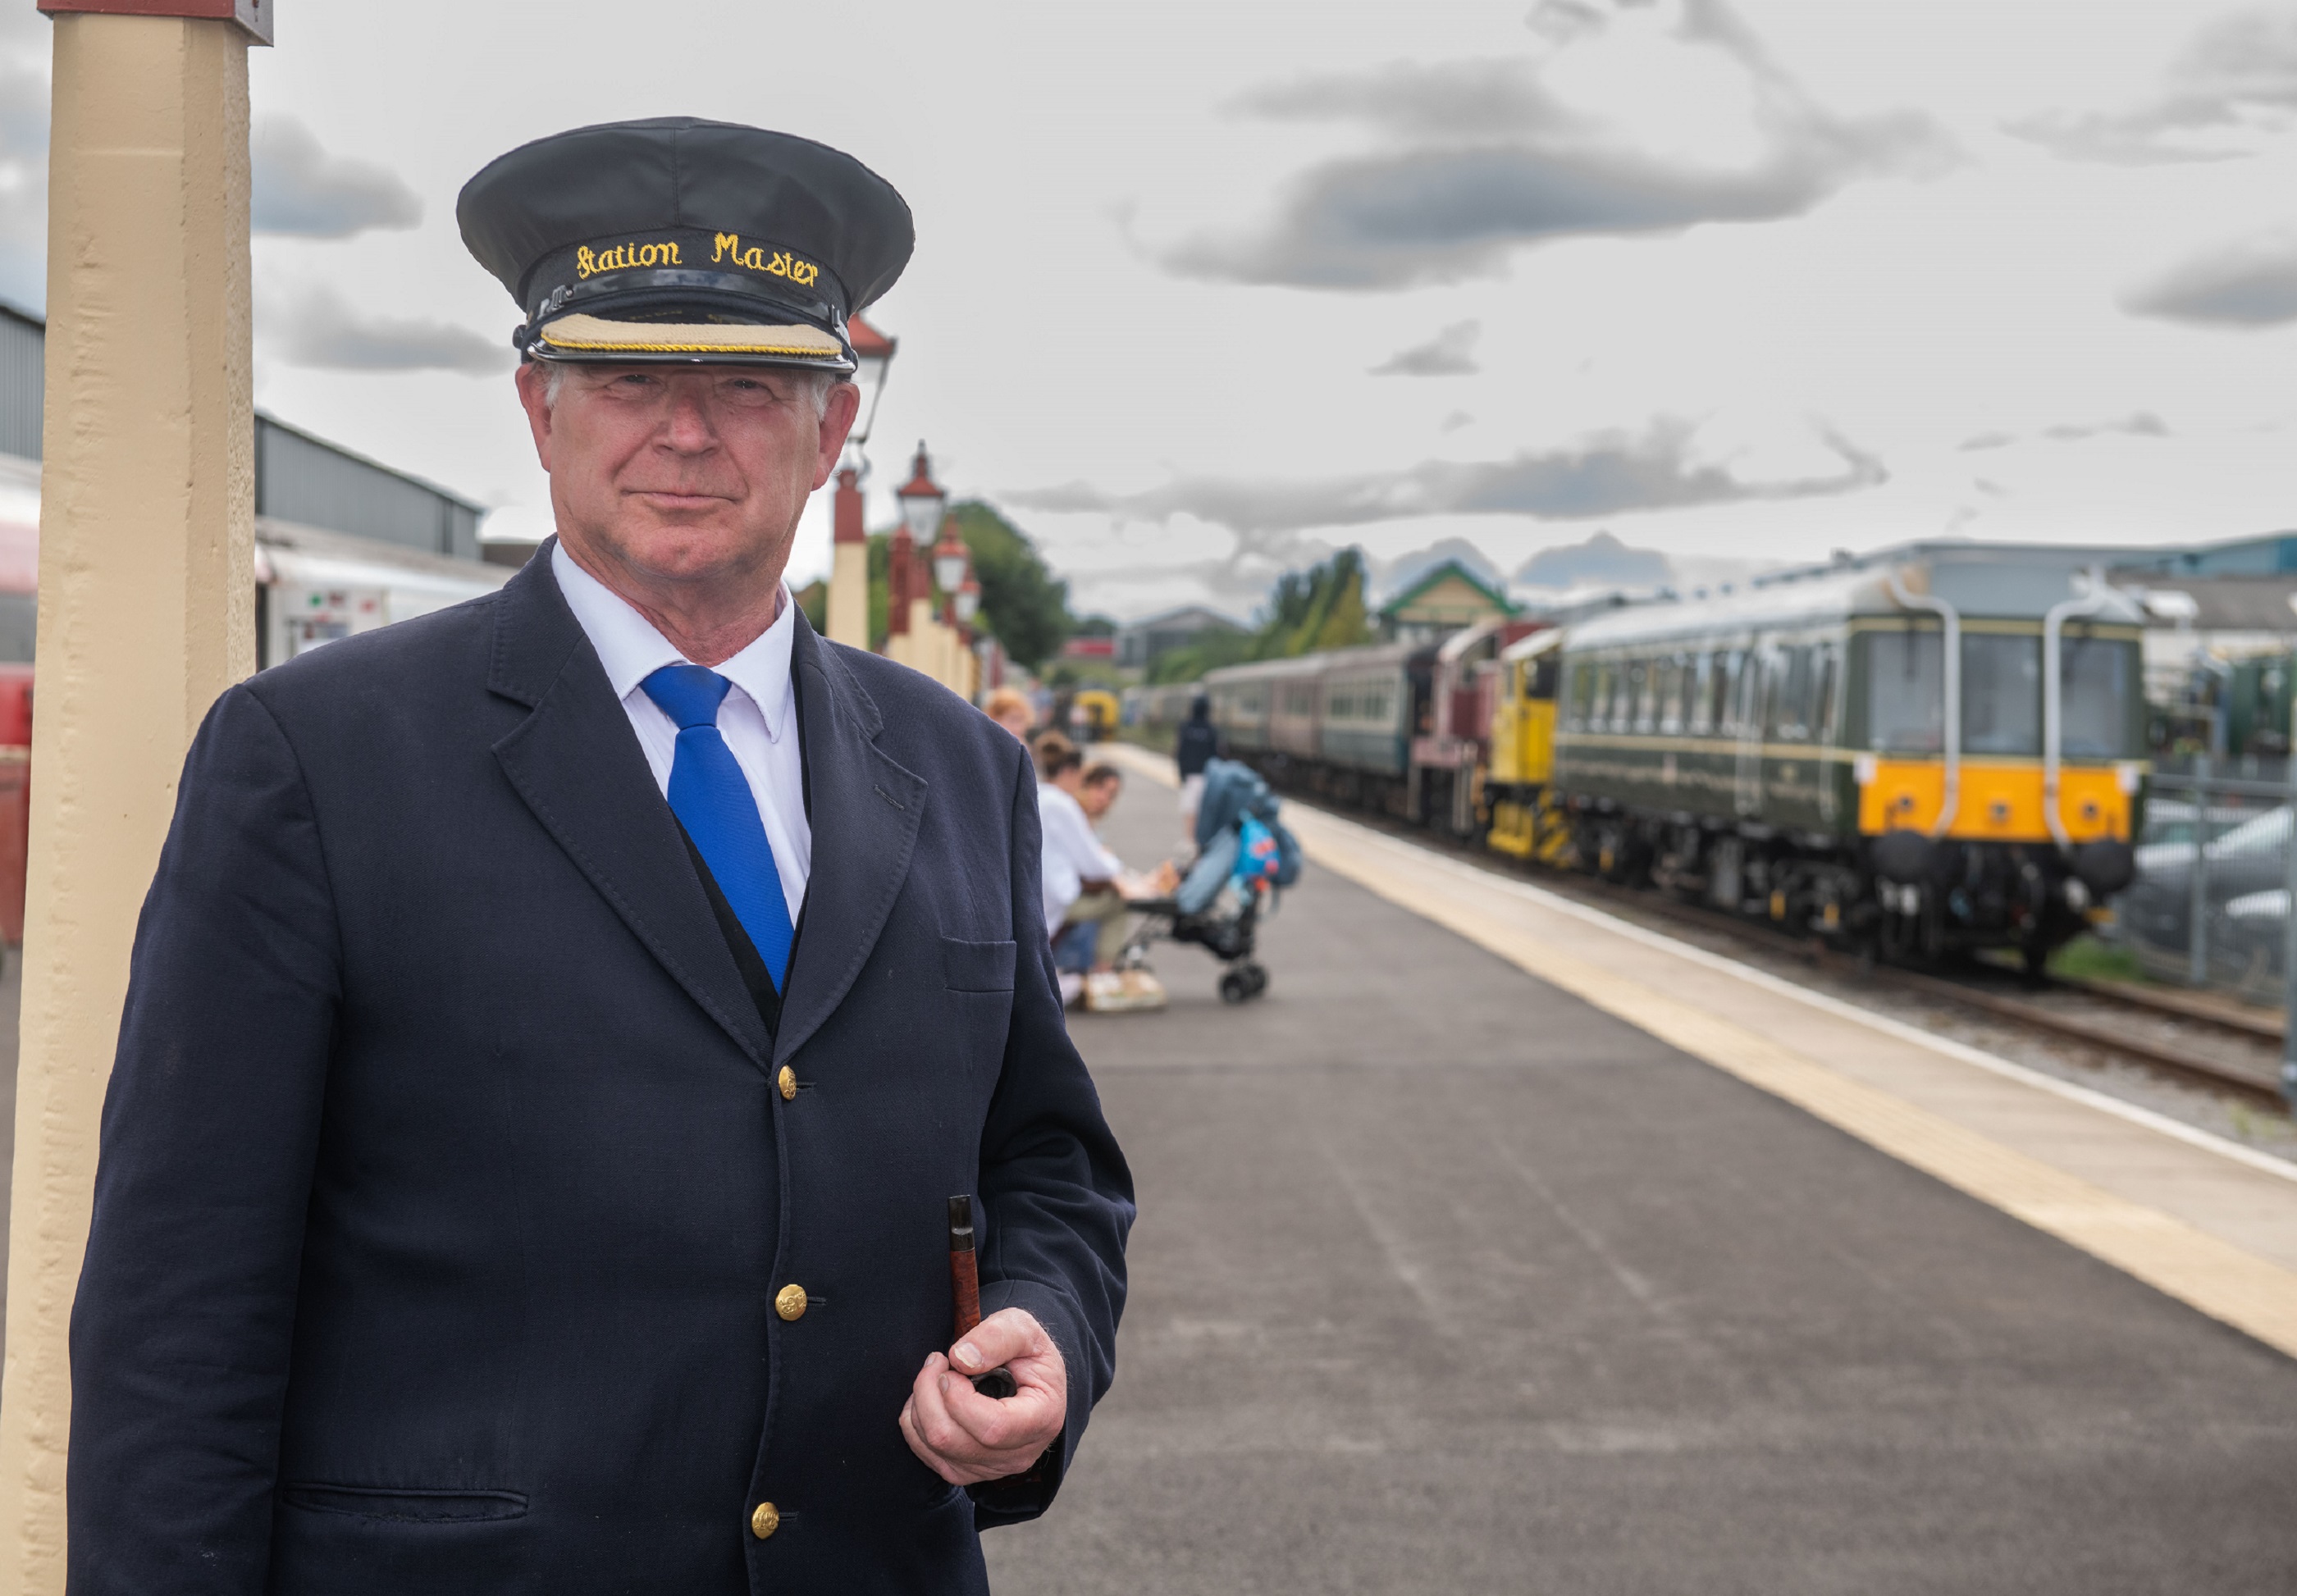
[758, 719]
[1073, 854]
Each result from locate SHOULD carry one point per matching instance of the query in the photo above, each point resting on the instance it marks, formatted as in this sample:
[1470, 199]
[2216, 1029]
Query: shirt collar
[631, 650]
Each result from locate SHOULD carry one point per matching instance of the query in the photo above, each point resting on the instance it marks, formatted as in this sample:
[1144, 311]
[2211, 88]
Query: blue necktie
[711, 799]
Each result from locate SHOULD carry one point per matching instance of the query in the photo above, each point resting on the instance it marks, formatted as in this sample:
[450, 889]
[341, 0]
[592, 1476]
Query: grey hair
[819, 385]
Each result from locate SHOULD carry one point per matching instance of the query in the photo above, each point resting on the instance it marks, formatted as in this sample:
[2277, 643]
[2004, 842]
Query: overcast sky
[1204, 290]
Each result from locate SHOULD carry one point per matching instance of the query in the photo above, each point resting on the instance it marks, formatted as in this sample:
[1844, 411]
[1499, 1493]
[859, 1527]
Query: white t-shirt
[1073, 854]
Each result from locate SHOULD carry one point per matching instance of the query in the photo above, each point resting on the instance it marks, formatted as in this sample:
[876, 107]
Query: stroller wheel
[1234, 987]
[1256, 976]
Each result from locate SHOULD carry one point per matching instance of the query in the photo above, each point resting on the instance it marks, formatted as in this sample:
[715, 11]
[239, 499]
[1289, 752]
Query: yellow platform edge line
[2210, 1275]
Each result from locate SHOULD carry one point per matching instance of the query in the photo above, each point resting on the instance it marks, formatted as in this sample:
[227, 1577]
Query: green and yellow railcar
[1933, 750]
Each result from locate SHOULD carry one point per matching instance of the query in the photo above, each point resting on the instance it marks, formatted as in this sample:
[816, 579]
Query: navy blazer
[446, 1186]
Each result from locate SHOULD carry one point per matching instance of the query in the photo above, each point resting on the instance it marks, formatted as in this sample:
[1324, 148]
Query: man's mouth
[677, 498]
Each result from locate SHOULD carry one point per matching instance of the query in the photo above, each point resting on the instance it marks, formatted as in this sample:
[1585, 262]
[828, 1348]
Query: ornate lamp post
[849, 568]
[952, 564]
[921, 499]
[873, 352]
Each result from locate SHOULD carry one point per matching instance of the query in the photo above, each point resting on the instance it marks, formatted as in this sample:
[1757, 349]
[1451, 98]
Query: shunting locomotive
[1932, 750]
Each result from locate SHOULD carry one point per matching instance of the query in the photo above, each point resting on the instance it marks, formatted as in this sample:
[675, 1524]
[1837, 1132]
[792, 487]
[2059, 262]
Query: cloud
[1610, 473]
[302, 191]
[1449, 354]
[2249, 282]
[23, 157]
[1463, 99]
[1478, 157]
[320, 327]
[2235, 81]
[1455, 421]
[2137, 424]
[1601, 559]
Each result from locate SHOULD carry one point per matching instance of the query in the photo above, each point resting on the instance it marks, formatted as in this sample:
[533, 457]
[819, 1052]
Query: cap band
[594, 337]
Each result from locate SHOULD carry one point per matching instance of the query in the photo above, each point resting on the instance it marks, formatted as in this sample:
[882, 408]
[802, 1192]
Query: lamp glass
[949, 565]
[869, 377]
[968, 602]
[921, 514]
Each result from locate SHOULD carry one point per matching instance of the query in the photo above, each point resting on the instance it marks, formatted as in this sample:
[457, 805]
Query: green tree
[813, 599]
[1023, 604]
[1321, 607]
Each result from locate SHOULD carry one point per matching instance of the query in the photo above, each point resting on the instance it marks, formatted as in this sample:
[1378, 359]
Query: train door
[1747, 782]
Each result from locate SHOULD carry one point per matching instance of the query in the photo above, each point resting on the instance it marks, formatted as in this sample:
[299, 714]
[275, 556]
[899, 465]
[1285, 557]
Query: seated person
[1087, 888]
[1095, 934]
[1010, 708]
[1075, 864]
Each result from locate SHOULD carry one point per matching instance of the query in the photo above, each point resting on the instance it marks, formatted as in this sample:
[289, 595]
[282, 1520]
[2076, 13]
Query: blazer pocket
[406, 1506]
[976, 966]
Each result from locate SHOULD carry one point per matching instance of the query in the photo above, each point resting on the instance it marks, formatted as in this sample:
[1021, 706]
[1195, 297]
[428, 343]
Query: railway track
[2188, 1038]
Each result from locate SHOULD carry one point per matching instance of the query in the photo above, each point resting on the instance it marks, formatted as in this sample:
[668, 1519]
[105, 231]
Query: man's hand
[967, 1437]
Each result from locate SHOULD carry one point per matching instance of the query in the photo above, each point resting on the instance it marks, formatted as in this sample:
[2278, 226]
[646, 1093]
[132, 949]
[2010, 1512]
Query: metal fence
[2210, 907]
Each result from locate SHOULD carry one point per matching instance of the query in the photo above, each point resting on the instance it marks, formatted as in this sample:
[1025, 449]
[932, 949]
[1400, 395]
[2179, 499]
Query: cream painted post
[849, 566]
[147, 506]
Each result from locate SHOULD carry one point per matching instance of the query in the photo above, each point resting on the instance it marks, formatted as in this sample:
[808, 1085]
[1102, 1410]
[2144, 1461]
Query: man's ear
[533, 393]
[836, 421]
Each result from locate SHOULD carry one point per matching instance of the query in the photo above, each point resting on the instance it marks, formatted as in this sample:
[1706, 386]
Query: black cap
[679, 240]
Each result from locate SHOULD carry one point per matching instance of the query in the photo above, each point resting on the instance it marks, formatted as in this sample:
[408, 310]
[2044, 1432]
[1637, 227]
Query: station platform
[1505, 1246]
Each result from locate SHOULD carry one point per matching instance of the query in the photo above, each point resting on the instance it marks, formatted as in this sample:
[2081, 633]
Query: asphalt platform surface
[1446, 1282]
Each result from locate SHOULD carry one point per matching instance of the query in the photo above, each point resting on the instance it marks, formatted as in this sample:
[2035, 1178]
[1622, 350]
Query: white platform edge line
[2176, 1129]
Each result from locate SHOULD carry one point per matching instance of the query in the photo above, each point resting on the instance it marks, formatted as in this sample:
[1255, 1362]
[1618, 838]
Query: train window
[1821, 715]
[1718, 691]
[1582, 675]
[1544, 672]
[1670, 696]
[1790, 716]
[2002, 693]
[2098, 681]
[1747, 716]
[1645, 674]
[1906, 691]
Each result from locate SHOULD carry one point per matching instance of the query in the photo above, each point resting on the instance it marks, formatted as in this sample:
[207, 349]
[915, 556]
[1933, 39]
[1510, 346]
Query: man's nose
[689, 428]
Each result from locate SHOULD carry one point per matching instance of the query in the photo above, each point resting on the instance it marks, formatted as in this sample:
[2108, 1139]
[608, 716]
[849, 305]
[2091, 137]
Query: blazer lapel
[577, 764]
[866, 810]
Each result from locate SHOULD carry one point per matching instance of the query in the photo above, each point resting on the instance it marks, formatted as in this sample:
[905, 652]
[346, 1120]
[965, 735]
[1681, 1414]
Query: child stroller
[1244, 857]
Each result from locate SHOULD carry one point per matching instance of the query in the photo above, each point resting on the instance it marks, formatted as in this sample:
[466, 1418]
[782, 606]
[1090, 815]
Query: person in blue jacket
[1197, 746]
[558, 1025]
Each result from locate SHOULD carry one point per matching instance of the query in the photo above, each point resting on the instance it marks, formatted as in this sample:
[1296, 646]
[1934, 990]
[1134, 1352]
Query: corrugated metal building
[313, 483]
[342, 544]
[297, 477]
[24, 343]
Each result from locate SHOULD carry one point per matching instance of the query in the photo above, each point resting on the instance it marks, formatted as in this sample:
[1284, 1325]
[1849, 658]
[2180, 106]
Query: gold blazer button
[789, 1302]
